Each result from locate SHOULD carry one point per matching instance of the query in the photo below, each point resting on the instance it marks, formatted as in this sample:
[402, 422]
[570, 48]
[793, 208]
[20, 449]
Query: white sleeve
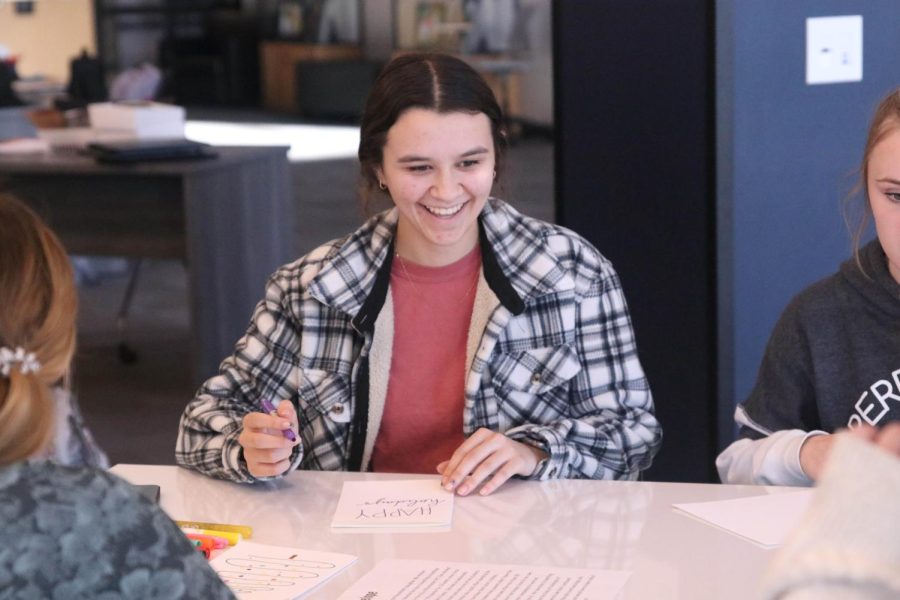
[772, 460]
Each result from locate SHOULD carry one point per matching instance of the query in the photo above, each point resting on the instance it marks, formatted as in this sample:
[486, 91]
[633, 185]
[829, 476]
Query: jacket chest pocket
[533, 385]
[324, 400]
[324, 395]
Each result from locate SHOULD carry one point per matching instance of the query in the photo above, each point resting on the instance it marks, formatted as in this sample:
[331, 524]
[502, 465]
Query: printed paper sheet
[396, 579]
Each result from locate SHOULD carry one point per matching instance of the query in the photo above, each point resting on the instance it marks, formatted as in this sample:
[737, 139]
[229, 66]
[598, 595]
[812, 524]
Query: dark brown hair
[885, 120]
[432, 81]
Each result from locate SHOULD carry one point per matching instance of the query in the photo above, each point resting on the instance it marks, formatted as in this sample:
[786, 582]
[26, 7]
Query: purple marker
[270, 409]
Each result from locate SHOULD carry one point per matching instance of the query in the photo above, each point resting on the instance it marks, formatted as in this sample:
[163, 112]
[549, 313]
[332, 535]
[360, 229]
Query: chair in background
[218, 68]
[7, 76]
[334, 89]
[86, 81]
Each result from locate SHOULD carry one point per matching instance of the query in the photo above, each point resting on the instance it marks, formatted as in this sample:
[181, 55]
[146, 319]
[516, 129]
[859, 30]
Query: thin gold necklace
[416, 287]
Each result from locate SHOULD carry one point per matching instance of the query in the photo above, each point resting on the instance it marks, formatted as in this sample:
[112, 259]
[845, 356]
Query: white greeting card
[402, 503]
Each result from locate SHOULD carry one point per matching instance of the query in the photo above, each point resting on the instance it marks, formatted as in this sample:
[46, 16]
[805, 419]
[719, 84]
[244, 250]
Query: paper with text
[264, 572]
[765, 520]
[397, 579]
[406, 502]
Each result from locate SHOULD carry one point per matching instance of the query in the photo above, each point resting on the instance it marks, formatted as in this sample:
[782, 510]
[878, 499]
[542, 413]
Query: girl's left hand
[487, 454]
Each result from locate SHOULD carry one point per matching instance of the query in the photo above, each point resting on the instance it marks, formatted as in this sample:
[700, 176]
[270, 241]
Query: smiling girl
[833, 359]
[448, 334]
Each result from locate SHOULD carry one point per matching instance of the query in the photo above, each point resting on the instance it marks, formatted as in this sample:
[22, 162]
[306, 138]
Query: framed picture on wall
[318, 21]
[430, 16]
[290, 19]
[430, 24]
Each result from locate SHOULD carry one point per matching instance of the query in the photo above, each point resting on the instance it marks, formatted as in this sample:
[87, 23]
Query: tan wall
[48, 38]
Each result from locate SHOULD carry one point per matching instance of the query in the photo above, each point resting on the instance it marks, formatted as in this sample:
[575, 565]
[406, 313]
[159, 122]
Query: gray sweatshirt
[832, 361]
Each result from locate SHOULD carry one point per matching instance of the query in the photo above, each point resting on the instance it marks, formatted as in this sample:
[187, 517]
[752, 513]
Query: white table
[588, 524]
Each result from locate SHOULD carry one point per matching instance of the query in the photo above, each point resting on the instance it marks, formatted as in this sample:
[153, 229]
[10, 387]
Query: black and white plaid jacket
[552, 360]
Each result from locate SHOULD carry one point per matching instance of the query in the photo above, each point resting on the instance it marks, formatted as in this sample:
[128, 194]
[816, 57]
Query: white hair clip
[25, 360]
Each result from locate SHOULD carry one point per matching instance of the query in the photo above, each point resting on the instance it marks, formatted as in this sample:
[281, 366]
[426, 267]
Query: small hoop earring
[495, 174]
[381, 185]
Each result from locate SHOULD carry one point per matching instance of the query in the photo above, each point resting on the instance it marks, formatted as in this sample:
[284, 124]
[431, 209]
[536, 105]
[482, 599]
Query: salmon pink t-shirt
[422, 422]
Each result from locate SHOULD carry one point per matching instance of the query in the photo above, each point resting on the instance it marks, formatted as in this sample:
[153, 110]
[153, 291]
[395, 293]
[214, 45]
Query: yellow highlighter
[245, 531]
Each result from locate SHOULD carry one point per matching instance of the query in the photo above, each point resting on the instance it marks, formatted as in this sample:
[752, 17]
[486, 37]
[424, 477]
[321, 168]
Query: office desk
[278, 69]
[588, 524]
[230, 218]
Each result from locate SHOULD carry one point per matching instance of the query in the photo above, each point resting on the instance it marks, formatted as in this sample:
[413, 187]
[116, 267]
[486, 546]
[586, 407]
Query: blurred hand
[490, 458]
[887, 438]
[814, 454]
[266, 450]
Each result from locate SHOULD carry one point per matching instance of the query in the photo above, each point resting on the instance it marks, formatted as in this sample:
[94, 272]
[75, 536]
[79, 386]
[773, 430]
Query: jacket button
[536, 378]
[337, 409]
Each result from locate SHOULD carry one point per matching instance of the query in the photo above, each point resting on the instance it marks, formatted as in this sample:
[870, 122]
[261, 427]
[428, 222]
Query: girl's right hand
[267, 451]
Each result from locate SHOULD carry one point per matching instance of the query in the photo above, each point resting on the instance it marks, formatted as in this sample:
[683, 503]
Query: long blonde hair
[885, 120]
[38, 308]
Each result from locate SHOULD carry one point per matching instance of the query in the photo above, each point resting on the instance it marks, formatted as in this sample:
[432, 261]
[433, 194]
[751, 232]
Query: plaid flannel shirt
[556, 365]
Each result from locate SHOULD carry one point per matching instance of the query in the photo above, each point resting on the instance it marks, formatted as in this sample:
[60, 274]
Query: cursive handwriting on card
[413, 502]
[385, 508]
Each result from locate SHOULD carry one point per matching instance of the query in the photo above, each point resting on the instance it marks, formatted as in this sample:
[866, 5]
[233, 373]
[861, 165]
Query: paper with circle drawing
[407, 502]
[765, 520]
[266, 572]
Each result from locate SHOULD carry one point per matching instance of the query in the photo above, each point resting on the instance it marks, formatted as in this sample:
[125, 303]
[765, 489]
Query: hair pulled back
[38, 308]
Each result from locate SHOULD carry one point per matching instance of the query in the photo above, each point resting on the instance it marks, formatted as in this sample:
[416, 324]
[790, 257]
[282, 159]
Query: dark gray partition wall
[635, 175]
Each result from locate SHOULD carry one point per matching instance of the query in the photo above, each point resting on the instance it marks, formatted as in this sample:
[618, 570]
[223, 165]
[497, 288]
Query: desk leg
[239, 223]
